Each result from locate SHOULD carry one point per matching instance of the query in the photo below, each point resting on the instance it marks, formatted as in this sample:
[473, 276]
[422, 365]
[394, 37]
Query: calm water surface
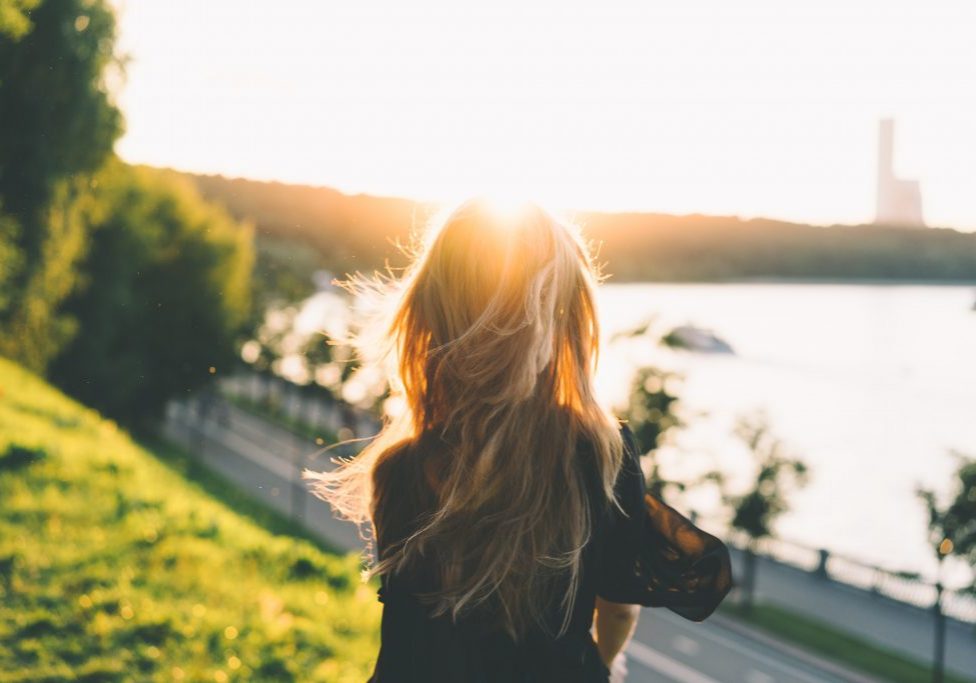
[872, 385]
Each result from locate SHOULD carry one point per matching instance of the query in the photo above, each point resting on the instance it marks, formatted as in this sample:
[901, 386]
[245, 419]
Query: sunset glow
[755, 108]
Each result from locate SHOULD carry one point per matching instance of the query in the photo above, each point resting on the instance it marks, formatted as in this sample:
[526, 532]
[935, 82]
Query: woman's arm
[615, 624]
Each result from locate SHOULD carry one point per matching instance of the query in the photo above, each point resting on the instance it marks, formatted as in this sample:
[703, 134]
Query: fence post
[201, 415]
[315, 410]
[297, 485]
[938, 657]
[821, 569]
[748, 578]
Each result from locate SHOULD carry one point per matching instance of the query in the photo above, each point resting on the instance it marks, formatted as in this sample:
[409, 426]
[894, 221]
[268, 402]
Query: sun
[506, 208]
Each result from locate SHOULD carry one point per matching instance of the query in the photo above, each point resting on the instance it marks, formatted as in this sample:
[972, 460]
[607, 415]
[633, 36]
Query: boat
[694, 338]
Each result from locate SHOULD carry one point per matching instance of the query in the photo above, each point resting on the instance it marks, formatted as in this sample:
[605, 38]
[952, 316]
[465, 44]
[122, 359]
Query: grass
[235, 498]
[119, 563]
[835, 645]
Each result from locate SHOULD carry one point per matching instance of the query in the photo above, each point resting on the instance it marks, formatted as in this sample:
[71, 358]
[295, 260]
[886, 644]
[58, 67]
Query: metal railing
[901, 586]
[317, 409]
[311, 407]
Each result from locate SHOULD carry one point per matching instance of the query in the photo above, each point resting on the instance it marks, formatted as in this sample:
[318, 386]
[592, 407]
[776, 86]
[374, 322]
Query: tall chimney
[886, 172]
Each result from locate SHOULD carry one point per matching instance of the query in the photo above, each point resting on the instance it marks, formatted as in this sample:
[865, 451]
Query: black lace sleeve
[653, 556]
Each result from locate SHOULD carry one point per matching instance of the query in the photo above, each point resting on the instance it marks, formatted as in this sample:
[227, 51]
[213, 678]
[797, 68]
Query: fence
[310, 408]
[315, 409]
[904, 587]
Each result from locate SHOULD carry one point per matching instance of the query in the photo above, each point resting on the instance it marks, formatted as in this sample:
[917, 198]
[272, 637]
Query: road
[263, 458]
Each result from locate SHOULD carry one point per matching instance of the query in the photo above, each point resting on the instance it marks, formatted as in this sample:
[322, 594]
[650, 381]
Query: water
[871, 385]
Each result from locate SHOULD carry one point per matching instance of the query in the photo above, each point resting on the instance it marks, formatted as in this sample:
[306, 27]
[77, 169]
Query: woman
[508, 508]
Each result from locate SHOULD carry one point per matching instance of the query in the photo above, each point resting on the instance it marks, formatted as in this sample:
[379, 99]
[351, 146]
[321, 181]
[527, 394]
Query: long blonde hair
[494, 337]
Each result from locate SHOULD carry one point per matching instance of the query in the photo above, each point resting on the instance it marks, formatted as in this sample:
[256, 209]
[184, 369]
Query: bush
[166, 293]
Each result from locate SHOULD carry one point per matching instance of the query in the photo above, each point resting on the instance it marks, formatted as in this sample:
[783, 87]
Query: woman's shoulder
[630, 450]
[411, 463]
[628, 476]
[405, 480]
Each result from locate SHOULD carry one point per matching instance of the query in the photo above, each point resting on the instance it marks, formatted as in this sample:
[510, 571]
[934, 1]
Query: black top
[650, 555]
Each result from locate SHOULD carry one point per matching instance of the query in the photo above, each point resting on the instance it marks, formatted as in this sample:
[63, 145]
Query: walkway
[263, 459]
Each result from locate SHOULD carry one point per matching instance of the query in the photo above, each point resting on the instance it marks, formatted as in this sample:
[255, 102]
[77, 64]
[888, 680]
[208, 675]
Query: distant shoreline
[362, 233]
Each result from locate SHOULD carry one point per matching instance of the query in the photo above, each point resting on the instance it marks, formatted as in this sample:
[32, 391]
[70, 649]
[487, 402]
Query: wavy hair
[494, 339]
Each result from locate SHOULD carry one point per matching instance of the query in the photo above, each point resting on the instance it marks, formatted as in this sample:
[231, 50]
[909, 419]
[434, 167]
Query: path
[262, 458]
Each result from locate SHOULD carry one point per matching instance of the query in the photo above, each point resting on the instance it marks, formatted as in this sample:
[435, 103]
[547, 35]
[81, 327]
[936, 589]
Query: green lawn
[841, 647]
[117, 563]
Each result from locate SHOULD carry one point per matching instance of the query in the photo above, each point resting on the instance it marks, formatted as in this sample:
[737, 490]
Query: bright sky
[755, 107]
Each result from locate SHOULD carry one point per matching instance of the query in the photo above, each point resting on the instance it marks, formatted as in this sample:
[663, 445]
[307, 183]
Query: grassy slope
[113, 566]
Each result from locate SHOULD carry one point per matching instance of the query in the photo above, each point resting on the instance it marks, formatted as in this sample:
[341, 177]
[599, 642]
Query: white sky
[755, 107]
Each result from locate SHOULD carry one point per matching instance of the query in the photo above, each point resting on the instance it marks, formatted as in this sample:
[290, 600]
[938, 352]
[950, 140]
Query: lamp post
[938, 656]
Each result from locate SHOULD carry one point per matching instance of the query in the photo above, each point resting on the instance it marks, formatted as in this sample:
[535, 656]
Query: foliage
[777, 475]
[350, 232]
[115, 567]
[952, 527]
[719, 248]
[14, 20]
[283, 272]
[650, 413]
[276, 338]
[283, 275]
[303, 357]
[165, 295]
[359, 232]
[49, 146]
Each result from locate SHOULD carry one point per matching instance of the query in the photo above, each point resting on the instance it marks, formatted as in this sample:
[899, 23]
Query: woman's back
[420, 647]
[504, 503]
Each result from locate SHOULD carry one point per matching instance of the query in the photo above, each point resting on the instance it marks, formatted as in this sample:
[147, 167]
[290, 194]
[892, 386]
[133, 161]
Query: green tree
[777, 475]
[952, 532]
[14, 21]
[651, 412]
[165, 295]
[952, 527]
[57, 127]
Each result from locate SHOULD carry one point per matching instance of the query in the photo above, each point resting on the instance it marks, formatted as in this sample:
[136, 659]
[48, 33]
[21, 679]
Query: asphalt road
[263, 459]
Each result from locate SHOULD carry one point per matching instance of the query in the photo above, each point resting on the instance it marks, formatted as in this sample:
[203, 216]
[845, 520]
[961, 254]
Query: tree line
[119, 283]
[361, 232]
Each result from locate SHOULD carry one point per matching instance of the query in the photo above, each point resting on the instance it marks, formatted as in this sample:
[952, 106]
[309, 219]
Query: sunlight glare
[673, 107]
[507, 209]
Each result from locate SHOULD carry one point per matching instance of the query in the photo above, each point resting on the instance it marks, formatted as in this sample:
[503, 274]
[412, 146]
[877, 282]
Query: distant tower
[899, 201]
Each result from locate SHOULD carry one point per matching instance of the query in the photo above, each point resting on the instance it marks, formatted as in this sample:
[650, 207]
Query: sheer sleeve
[653, 556]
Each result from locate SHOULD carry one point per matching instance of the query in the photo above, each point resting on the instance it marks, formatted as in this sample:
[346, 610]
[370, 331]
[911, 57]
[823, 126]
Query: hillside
[118, 564]
[358, 232]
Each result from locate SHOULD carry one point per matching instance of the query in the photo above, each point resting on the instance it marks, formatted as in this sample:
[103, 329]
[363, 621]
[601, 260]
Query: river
[872, 385]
